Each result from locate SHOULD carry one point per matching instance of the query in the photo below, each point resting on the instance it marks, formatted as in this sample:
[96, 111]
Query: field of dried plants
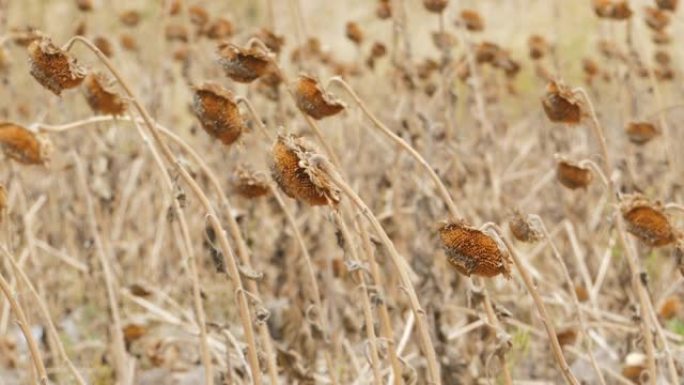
[345, 193]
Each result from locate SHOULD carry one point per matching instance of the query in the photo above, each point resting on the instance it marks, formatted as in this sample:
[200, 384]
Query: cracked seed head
[647, 221]
[218, 113]
[560, 104]
[641, 133]
[471, 251]
[572, 175]
[313, 100]
[243, 65]
[24, 146]
[101, 97]
[53, 68]
[296, 170]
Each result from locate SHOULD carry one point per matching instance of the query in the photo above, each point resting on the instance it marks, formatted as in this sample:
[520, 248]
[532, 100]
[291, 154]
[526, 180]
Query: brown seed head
[313, 100]
[471, 251]
[84, 5]
[53, 68]
[612, 9]
[218, 113]
[656, 19]
[582, 293]
[242, 64]
[133, 332]
[24, 146]
[273, 41]
[354, 33]
[647, 221]
[220, 28]
[634, 366]
[436, 6]
[641, 133]
[103, 44]
[560, 104]
[295, 170]
[130, 18]
[198, 15]
[472, 20]
[378, 50]
[590, 67]
[670, 308]
[538, 47]
[383, 10]
[524, 229]
[667, 5]
[661, 38]
[128, 42]
[100, 95]
[176, 32]
[567, 337]
[664, 73]
[443, 40]
[486, 52]
[572, 175]
[662, 58]
[503, 61]
[249, 184]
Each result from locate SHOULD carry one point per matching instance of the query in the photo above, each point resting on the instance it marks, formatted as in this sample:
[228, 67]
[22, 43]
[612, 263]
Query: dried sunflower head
[53, 68]
[486, 52]
[295, 169]
[471, 251]
[523, 228]
[436, 6]
[313, 100]
[24, 146]
[218, 112]
[647, 221]
[472, 20]
[220, 28]
[612, 9]
[656, 19]
[242, 64]
[641, 133]
[249, 184]
[538, 47]
[572, 175]
[354, 33]
[667, 5]
[100, 95]
[560, 104]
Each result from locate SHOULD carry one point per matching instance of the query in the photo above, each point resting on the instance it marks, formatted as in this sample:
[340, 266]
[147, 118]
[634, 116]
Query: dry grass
[151, 235]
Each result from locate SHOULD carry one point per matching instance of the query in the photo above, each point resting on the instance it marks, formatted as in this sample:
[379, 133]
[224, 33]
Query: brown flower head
[523, 228]
[641, 132]
[383, 10]
[24, 146]
[486, 52]
[503, 61]
[53, 68]
[198, 15]
[103, 44]
[313, 100]
[176, 32]
[218, 113]
[656, 19]
[612, 9]
[100, 95]
[538, 47]
[471, 251]
[130, 18]
[647, 221]
[436, 6]
[471, 20]
[249, 184]
[661, 38]
[271, 40]
[667, 5]
[670, 307]
[567, 337]
[572, 175]
[590, 67]
[84, 5]
[295, 169]
[560, 104]
[128, 42]
[354, 33]
[242, 64]
[220, 28]
[443, 40]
